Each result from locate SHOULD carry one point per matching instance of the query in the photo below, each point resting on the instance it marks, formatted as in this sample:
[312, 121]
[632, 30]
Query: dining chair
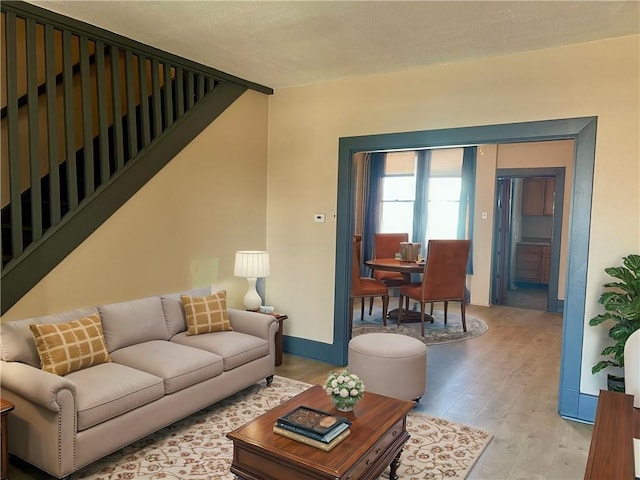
[386, 245]
[443, 280]
[364, 287]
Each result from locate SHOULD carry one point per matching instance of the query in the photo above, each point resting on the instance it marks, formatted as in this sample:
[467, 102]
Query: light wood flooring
[504, 382]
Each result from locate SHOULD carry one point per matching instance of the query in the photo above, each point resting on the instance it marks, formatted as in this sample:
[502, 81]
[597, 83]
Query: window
[443, 207]
[441, 191]
[398, 193]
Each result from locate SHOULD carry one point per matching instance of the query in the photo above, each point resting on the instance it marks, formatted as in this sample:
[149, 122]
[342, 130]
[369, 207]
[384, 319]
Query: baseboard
[303, 347]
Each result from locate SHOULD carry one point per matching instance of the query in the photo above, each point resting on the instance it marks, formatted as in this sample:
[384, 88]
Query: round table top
[395, 265]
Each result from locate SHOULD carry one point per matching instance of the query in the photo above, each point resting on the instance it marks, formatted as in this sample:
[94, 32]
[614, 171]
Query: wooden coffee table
[378, 432]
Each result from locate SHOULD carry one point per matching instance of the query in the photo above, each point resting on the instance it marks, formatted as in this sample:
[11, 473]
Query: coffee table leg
[393, 468]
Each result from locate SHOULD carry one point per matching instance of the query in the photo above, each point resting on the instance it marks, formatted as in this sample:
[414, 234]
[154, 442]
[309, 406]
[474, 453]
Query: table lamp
[251, 264]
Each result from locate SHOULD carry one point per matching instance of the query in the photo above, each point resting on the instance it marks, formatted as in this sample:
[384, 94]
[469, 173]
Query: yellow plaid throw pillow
[206, 314]
[71, 346]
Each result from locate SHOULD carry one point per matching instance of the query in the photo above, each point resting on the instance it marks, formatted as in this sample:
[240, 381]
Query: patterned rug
[434, 333]
[197, 448]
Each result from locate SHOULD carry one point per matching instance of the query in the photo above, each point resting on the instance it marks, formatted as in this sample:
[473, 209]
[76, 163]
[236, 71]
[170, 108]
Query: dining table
[406, 268]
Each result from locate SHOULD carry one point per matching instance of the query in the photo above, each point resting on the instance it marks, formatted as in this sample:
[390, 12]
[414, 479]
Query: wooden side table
[5, 407]
[280, 317]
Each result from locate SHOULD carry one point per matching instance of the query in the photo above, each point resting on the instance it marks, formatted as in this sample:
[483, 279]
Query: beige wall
[180, 230]
[305, 123]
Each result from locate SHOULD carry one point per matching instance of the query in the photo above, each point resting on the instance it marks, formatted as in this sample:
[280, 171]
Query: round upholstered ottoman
[390, 364]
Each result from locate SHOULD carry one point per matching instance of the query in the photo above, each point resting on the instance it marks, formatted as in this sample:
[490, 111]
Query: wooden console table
[617, 424]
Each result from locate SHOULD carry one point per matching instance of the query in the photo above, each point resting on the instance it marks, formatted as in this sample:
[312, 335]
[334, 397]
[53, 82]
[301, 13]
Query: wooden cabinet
[546, 262]
[537, 195]
[532, 263]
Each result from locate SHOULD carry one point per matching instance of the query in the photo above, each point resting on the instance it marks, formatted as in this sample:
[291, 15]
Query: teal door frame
[571, 402]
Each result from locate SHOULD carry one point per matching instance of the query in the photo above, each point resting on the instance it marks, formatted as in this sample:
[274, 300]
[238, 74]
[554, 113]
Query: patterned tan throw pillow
[206, 314]
[66, 347]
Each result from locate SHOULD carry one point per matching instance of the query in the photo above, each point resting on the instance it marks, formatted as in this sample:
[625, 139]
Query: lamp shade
[251, 264]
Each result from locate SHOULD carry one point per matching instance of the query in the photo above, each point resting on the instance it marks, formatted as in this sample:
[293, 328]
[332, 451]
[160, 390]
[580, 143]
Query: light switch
[318, 217]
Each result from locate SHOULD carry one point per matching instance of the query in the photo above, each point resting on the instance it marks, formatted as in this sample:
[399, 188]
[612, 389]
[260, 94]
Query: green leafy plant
[622, 306]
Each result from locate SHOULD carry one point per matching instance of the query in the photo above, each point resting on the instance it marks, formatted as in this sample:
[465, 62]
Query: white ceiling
[288, 43]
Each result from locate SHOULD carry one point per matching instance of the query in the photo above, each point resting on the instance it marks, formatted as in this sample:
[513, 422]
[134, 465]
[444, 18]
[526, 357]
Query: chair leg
[370, 305]
[446, 306]
[462, 311]
[385, 308]
[400, 308]
[431, 311]
[362, 310]
[422, 306]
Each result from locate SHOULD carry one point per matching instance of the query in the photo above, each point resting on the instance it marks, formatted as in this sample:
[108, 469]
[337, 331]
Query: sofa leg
[269, 380]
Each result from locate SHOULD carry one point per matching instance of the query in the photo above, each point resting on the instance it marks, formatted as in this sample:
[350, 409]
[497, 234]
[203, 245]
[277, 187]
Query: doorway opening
[528, 231]
[571, 402]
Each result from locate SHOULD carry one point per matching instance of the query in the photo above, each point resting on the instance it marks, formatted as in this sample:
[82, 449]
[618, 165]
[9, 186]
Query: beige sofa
[157, 376]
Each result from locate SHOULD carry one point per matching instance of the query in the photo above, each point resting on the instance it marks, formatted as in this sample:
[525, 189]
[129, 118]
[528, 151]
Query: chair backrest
[445, 272]
[386, 245]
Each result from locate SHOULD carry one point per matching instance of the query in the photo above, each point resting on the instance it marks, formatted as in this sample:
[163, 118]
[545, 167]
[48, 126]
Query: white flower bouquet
[345, 389]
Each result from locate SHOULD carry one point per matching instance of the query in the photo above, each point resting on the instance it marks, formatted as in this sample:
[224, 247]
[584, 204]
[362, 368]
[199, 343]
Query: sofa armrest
[253, 323]
[35, 385]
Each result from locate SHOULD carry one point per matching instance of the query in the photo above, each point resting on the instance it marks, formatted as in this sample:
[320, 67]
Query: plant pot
[615, 384]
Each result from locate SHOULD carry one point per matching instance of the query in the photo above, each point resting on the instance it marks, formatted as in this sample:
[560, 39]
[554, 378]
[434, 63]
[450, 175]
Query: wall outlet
[318, 217]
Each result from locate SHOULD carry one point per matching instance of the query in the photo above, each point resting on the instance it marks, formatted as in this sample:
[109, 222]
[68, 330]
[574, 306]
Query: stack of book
[313, 427]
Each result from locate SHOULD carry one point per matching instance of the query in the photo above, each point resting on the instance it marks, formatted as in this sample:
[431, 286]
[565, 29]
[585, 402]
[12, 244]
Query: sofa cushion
[136, 321]
[108, 390]
[235, 348]
[174, 310]
[67, 347]
[206, 314]
[17, 340]
[179, 366]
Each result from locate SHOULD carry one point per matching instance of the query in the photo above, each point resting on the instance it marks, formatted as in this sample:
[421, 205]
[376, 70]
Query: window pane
[444, 201]
[396, 217]
[442, 221]
[445, 189]
[398, 188]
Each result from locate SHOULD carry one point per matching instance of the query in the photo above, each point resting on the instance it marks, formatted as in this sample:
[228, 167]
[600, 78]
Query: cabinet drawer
[530, 266]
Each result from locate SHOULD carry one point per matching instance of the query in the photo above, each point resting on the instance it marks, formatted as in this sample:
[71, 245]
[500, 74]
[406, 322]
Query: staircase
[97, 116]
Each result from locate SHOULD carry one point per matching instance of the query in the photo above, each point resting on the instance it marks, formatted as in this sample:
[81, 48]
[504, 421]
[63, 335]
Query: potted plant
[622, 307]
[345, 389]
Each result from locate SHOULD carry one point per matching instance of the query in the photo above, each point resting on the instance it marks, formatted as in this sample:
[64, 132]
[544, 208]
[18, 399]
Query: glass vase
[344, 404]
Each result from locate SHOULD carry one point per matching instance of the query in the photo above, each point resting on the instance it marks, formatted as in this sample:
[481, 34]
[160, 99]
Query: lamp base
[252, 300]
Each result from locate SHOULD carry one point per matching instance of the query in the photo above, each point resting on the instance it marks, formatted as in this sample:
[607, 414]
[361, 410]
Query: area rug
[197, 448]
[434, 333]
